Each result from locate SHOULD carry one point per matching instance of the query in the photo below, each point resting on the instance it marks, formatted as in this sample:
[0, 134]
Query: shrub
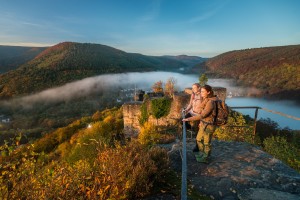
[160, 107]
[149, 134]
[144, 113]
[124, 172]
[235, 133]
[16, 175]
[130, 170]
[281, 149]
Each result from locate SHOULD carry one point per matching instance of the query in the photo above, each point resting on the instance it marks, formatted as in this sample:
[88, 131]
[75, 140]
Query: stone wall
[131, 115]
[132, 111]
[180, 100]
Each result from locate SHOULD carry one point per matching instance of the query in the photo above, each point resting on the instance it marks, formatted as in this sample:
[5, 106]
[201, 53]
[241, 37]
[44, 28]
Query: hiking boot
[201, 158]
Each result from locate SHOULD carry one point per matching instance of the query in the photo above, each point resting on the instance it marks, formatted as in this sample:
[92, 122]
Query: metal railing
[255, 118]
[184, 164]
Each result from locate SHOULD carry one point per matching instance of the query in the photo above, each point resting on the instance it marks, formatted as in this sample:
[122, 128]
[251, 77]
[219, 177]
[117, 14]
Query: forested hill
[12, 57]
[274, 70]
[71, 61]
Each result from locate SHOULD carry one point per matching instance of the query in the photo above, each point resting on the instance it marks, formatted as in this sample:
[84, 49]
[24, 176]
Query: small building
[4, 119]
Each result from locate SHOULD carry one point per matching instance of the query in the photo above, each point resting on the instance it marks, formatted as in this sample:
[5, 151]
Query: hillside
[274, 70]
[70, 61]
[90, 158]
[12, 57]
[191, 61]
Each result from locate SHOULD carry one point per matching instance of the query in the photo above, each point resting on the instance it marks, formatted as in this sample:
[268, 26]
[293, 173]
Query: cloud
[210, 12]
[32, 24]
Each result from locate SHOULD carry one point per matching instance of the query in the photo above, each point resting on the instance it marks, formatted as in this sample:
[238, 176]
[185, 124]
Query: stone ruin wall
[132, 111]
[180, 100]
[131, 115]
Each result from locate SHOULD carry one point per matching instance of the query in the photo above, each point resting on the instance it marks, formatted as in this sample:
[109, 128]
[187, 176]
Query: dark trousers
[192, 125]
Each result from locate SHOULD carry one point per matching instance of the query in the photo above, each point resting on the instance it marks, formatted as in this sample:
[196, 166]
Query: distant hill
[274, 70]
[12, 57]
[191, 61]
[69, 61]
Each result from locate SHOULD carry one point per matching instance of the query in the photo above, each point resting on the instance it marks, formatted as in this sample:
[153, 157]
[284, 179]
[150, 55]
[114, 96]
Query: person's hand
[185, 120]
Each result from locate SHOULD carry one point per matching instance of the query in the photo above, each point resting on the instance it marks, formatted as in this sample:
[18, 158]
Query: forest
[11, 57]
[273, 70]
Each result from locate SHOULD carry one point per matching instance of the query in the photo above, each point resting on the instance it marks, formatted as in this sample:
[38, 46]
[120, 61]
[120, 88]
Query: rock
[234, 167]
[262, 194]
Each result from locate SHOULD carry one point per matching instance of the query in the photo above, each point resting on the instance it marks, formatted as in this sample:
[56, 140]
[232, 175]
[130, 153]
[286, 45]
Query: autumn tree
[158, 87]
[170, 87]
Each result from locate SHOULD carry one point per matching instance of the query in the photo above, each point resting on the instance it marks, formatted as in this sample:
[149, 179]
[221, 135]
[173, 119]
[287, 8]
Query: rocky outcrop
[238, 171]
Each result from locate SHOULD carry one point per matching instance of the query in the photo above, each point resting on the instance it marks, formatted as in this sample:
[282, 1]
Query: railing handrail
[256, 114]
[267, 110]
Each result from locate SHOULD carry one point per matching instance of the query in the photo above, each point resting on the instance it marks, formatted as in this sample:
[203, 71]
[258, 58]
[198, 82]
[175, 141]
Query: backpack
[220, 113]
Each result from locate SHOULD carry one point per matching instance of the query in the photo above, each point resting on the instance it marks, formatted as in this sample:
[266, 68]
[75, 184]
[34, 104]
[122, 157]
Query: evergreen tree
[203, 79]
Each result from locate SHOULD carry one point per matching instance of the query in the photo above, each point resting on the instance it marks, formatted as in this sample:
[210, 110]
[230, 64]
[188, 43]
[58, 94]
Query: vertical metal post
[184, 165]
[254, 126]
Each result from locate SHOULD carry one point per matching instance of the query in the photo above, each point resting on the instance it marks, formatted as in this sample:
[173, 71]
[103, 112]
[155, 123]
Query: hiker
[206, 127]
[193, 109]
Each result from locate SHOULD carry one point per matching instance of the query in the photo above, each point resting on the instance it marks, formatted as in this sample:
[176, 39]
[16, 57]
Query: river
[286, 107]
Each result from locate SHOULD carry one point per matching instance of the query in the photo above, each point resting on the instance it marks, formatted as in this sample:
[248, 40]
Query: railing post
[184, 165]
[254, 126]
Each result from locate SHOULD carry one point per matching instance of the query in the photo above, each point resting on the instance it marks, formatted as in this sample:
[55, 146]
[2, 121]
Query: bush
[131, 170]
[144, 113]
[243, 134]
[281, 149]
[160, 107]
[96, 170]
[124, 172]
[149, 134]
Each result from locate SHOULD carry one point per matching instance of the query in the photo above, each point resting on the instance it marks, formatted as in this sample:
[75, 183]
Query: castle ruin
[132, 111]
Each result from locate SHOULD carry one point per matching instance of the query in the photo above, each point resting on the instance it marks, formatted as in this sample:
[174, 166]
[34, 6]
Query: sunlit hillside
[70, 61]
[275, 70]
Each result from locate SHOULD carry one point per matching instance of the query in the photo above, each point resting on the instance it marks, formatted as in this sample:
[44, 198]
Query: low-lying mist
[106, 83]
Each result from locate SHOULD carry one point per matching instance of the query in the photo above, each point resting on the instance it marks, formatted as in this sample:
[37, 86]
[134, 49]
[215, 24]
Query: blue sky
[203, 28]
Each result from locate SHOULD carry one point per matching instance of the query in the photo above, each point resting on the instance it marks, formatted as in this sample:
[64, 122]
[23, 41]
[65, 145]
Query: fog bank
[104, 83]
